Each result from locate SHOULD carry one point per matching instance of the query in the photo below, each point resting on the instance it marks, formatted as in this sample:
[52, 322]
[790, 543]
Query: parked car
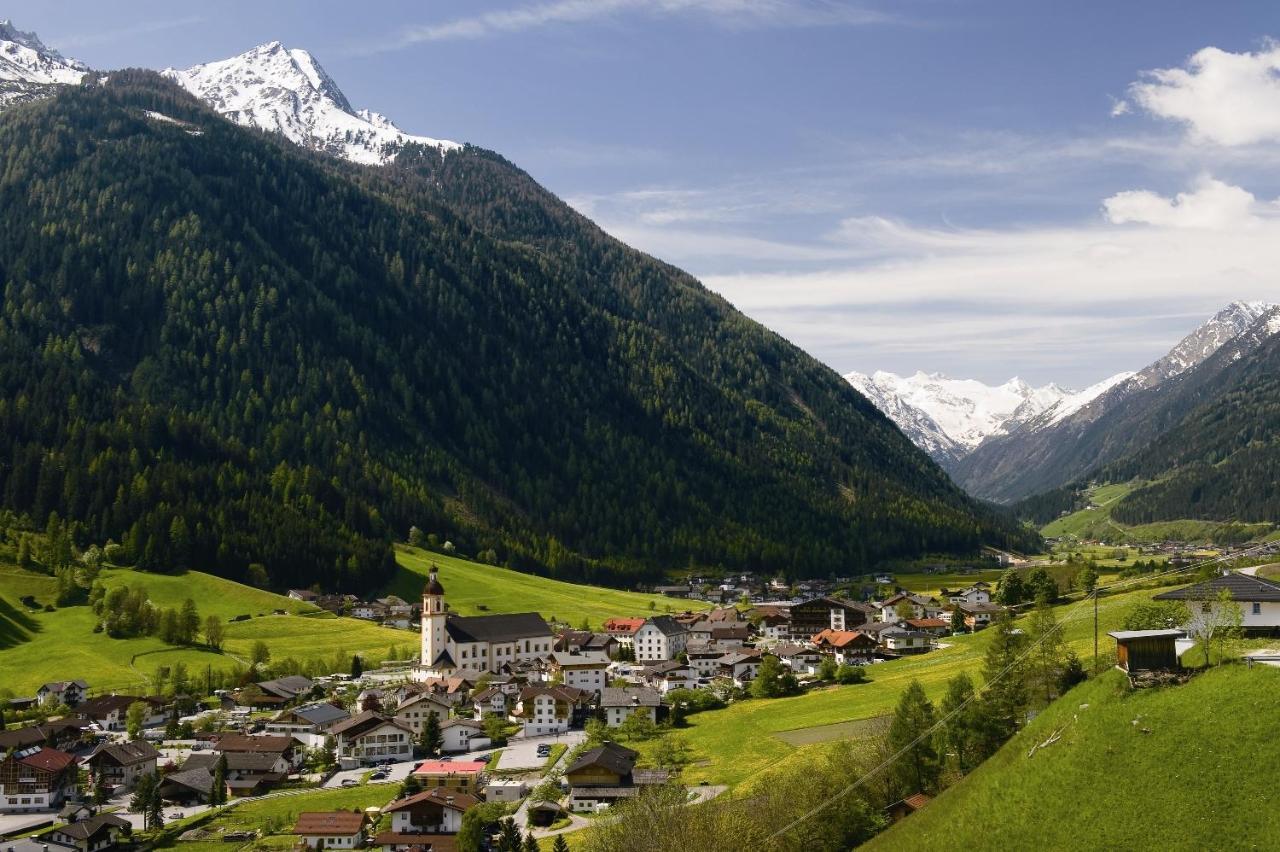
[350, 782]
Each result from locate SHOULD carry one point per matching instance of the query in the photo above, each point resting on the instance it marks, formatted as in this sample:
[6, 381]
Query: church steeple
[433, 619]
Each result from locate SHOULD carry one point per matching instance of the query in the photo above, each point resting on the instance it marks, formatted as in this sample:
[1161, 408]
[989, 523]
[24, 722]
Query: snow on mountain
[948, 417]
[285, 91]
[29, 69]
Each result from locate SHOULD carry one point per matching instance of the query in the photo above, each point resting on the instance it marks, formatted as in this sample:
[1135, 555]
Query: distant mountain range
[1011, 442]
[249, 349]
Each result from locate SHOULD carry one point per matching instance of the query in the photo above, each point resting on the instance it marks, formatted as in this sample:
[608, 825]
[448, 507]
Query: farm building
[1146, 650]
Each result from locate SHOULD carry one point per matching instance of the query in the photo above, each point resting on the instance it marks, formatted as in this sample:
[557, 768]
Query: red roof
[442, 767]
[48, 759]
[623, 625]
[340, 823]
[838, 638]
[438, 795]
[916, 802]
[927, 622]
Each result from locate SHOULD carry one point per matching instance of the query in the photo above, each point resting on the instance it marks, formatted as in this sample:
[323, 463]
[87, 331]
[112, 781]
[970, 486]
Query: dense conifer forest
[219, 350]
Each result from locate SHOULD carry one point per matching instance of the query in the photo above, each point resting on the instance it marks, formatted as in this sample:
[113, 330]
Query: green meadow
[475, 589]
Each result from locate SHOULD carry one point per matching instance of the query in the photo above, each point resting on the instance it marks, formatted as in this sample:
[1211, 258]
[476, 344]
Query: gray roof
[638, 696]
[616, 758]
[290, 686]
[1122, 635]
[127, 754]
[200, 780]
[581, 658]
[667, 625]
[87, 828]
[497, 628]
[1241, 586]
[321, 713]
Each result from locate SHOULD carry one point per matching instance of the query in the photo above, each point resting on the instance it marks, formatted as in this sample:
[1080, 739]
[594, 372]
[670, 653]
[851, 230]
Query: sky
[985, 189]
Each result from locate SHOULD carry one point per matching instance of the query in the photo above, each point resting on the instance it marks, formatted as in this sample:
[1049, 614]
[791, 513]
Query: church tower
[433, 618]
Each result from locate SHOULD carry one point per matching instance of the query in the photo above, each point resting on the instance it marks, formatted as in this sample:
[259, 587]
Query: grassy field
[729, 746]
[1152, 769]
[277, 815]
[470, 585]
[1095, 523]
[39, 646]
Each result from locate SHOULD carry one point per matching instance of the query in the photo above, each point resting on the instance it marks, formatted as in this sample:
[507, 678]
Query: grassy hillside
[729, 746]
[39, 646]
[1154, 769]
[1096, 522]
[471, 585]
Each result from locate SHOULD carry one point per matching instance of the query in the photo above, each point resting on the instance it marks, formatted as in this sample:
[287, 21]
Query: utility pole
[1095, 630]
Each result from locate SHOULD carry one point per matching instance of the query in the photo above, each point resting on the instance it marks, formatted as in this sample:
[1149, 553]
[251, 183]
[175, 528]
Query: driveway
[398, 772]
[521, 753]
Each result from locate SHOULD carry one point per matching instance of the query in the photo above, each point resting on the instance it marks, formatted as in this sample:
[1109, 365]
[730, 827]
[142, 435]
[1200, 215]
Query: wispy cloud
[75, 41]
[726, 13]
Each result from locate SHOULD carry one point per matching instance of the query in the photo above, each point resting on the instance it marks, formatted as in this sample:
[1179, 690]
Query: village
[500, 709]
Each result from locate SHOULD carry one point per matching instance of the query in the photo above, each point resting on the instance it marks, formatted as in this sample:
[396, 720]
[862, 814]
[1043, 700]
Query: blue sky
[981, 188]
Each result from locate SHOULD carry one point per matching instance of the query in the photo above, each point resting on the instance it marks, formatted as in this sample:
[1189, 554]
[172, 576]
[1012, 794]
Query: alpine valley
[285, 338]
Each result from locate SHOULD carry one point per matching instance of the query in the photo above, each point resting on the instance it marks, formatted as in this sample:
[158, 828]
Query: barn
[1146, 650]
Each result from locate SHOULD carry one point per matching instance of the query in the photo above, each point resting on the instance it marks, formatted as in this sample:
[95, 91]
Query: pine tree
[530, 843]
[560, 844]
[957, 620]
[430, 739]
[1004, 696]
[963, 730]
[357, 666]
[188, 622]
[218, 792]
[1047, 657]
[916, 771]
[509, 839]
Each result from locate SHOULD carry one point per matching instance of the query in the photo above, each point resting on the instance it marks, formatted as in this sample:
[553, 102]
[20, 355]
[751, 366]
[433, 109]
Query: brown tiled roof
[48, 759]
[242, 742]
[424, 842]
[367, 721]
[87, 828]
[436, 795]
[329, 822]
[127, 754]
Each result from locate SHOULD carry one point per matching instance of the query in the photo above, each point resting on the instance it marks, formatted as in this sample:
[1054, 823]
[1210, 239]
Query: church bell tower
[433, 618]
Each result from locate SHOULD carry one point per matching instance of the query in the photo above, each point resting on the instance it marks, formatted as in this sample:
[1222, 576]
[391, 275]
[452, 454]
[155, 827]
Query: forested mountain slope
[222, 350]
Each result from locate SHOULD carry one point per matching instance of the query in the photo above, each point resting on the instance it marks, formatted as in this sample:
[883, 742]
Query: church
[481, 643]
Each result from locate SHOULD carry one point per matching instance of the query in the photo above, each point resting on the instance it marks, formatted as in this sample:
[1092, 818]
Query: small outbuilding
[1146, 650]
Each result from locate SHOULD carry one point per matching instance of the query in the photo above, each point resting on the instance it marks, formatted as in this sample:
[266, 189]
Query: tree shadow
[16, 626]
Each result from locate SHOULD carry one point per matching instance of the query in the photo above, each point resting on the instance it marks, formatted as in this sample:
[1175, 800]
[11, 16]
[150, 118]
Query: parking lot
[522, 753]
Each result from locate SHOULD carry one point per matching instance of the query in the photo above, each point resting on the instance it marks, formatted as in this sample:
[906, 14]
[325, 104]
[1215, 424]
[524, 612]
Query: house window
[1257, 608]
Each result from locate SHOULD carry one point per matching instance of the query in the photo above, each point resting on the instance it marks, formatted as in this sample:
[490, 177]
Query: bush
[848, 674]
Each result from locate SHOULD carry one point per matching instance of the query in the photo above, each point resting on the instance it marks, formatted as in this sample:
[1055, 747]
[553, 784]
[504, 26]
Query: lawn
[729, 746]
[39, 646]
[1151, 769]
[276, 815]
[475, 589]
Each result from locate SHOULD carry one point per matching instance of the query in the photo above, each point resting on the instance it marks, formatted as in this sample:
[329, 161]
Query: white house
[704, 659]
[492, 700]
[908, 642]
[619, 704]
[371, 737]
[1258, 599]
[740, 666]
[581, 669]
[331, 829]
[434, 811]
[670, 675]
[977, 593]
[545, 710]
[661, 638]
[68, 692]
[459, 735]
[414, 711]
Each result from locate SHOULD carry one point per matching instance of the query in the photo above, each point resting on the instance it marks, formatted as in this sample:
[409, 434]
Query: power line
[891, 759]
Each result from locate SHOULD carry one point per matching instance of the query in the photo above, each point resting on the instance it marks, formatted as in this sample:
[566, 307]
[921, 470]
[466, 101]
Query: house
[283, 690]
[979, 615]
[1258, 599]
[550, 709]
[309, 724]
[491, 701]
[977, 593]
[581, 669]
[825, 613]
[414, 711]
[704, 659]
[459, 735]
[661, 638]
[673, 591]
[908, 642]
[187, 786]
[730, 635]
[623, 630]
[304, 595]
[249, 773]
[36, 779]
[281, 748]
[606, 774]
[586, 640]
[76, 811]
[482, 642]
[68, 693]
[932, 626]
[670, 675]
[63, 734]
[904, 808]
[371, 737]
[93, 834]
[455, 776]
[618, 705]
[505, 790]
[119, 765]
[774, 622]
[892, 609]
[848, 647]
[801, 659]
[1146, 650]
[740, 667]
[111, 711]
[331, 829]
[369, 611]
[419, 819]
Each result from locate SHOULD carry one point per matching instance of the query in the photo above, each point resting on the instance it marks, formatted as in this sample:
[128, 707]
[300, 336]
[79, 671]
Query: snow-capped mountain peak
[29, 69]
[285, 90]
[948, 417]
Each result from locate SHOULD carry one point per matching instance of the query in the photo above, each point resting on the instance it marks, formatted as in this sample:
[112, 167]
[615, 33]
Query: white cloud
[1224, 98]
[731, 13]
[1213, 204]
[1119, 107]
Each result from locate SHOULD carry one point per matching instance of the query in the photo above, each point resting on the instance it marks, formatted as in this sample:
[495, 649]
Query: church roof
[433, 584]
[496, 628]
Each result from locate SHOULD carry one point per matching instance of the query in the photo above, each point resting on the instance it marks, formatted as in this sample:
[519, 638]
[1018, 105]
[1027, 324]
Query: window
[1257, 608]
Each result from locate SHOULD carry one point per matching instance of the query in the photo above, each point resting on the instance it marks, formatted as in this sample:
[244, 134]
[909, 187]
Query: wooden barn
[1146, 650]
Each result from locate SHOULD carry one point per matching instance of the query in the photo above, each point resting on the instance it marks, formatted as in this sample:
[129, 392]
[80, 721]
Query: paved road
[521, 753]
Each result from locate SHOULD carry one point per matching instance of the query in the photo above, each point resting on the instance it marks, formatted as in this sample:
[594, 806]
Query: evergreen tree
[218, 792]
[1004, 696]
[530, 843]
[560, 844]
[188, 622]
[962, 733]
[357, 666]
[1047, 658]
[509, 839]
[430, 740]
[100, 793]
[916, 770]
[957, 620]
